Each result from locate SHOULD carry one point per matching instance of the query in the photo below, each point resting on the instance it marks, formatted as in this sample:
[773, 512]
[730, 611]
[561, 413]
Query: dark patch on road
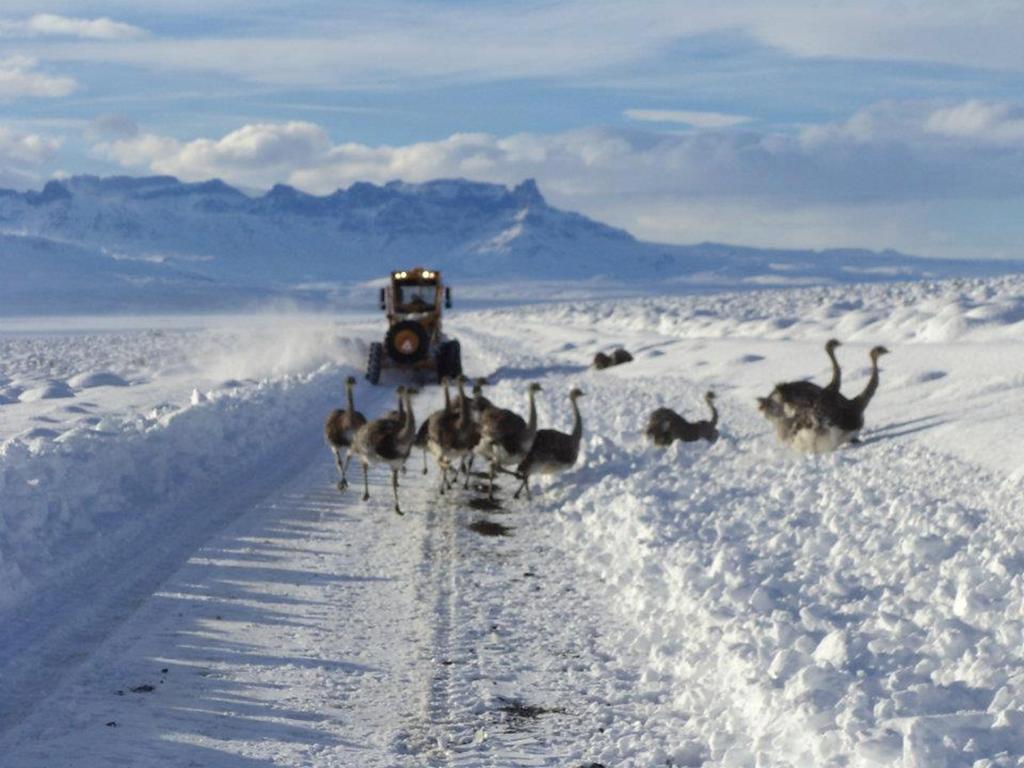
[483, 504]
[518, 711]
[489, 528]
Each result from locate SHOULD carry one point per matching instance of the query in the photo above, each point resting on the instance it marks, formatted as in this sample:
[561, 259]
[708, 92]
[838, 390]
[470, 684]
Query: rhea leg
[424, 461]
[490, 481]
[342, 484]
[366, 481]
[394, 489]
[525, 484]
[344, 473]
[442, 469]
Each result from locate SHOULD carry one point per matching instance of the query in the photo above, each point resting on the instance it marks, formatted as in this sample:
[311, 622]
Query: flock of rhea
[455, 435]
[806, 416]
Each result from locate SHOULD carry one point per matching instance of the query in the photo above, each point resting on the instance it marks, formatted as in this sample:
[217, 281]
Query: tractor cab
[413, 300]
[415, 291]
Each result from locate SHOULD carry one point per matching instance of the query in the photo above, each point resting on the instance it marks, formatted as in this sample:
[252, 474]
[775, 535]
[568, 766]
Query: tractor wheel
[449, 360]
[374, 362]
[407, 342]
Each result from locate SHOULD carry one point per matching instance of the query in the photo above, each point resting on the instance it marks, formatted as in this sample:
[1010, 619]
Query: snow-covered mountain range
[155, 242]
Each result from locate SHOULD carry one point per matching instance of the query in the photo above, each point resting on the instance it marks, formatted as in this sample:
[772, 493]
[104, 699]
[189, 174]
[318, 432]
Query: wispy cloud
[51, 24]
[685, 117]
[388, 43]
[19, 77]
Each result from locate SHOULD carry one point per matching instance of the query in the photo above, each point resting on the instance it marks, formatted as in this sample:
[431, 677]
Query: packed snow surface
[181, 582]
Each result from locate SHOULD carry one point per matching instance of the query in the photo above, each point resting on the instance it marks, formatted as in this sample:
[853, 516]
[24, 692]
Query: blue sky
[878, 123]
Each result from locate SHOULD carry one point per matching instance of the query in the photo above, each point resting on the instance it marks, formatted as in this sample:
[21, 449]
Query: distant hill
[156, 242]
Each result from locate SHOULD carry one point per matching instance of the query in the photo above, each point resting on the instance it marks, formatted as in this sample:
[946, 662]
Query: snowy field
[182, 584]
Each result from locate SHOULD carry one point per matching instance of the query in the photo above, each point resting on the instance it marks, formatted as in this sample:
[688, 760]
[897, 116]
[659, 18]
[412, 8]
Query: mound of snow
[933, 312]
[51, 390]
[92, 379]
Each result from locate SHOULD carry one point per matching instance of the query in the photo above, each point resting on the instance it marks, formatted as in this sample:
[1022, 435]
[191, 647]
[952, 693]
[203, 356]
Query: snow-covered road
[315, 630]
[730, 605]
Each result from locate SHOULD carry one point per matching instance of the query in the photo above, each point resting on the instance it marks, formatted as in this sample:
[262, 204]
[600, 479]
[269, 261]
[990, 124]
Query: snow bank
[944, 311]
[864, 608]
[77, 479]
[63, 498]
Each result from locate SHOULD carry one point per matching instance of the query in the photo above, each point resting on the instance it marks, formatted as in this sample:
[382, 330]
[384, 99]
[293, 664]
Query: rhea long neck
[408, 431]
[577, 423]
[351, 400]
[531, 424]
[862, 400]
[464, 415]
[833, 386]
[714, 411]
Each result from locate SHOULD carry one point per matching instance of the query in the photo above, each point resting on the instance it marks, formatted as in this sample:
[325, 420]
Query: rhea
[834, 419]
[451, 433]
[665, 425]
[553, 452]
[787, 404]
[477, 405]
[426, 436]
[505, 439]
[802, 393]
[386, 441]
[340, 428]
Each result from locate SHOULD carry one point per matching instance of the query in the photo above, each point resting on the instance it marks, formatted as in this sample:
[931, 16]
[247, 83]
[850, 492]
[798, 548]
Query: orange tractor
[413, 300]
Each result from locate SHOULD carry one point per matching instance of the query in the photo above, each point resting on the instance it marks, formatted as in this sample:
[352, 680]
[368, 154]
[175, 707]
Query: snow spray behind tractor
[414, 341]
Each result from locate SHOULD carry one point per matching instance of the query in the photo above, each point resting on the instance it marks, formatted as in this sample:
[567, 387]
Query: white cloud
[685, 117]
[22, 155]
[999, 122]
[46, 24]
[19, 77]
[852, 182]
[255, 155]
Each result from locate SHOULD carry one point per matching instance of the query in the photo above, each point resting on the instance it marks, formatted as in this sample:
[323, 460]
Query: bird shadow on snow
[211, 685]
[534, 372]
[904, 428]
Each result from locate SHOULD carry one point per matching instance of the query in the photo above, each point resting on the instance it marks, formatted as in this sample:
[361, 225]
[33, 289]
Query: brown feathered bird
[339, 430]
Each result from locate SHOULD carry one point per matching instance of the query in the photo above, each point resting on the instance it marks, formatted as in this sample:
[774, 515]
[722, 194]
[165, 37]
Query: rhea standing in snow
[665, 425]
[386, 441]
[553, 452]
[829, 420]
[339, 430]
[505, 439]
[836, 419]
[433, 432]
[787, 405]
